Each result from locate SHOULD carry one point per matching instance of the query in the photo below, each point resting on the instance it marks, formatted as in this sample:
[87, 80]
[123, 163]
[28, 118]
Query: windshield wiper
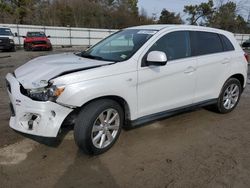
[83, 54]
[91, 56]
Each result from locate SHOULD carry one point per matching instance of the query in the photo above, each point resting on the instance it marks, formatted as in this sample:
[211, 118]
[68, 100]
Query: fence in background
[241, 37]
[75, 36]
[60, 36]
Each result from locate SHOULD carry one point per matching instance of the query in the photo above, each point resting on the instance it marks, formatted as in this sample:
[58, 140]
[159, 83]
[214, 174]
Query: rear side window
[228, 46]
[206, 43]
[176, 45]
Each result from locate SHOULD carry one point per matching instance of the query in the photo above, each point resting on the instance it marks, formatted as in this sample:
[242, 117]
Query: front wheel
[50, 49]
[230, 96]
[98, 126]
[26, 47]
[13, 49]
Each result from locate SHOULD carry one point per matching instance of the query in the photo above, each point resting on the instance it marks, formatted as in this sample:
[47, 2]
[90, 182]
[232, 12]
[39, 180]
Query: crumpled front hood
[37, 72]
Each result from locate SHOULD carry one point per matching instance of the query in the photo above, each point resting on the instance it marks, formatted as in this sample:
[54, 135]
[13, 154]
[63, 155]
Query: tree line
[116, 14]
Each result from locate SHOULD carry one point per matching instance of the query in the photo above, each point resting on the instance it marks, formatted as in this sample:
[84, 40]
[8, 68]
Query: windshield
[36, 34]
[119, 46]
[5, 31]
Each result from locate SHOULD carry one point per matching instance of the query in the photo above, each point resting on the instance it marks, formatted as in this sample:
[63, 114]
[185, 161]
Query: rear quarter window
[206, 43]
[228, 46]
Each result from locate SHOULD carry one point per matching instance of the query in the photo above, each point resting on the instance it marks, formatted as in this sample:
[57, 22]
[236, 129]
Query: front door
[161, 88]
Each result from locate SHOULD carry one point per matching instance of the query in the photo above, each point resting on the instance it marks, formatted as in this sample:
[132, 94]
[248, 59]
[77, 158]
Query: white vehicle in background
[135, 76]
[7, 40]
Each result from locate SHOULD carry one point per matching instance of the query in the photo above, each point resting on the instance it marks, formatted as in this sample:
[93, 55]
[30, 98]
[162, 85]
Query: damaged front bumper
[34, 117]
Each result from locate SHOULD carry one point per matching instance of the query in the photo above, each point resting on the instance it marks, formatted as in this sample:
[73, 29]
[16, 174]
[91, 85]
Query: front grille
[4, 40]
[8, 86]
[39, 42]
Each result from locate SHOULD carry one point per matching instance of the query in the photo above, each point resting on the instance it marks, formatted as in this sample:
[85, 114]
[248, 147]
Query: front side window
[206, 43]
[119, 46]
[176, 45]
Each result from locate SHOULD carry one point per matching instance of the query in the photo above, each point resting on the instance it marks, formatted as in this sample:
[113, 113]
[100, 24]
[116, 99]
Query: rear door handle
[189, 69]
[226, 61]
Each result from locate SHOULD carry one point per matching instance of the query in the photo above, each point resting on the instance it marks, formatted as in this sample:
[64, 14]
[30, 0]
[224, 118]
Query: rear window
[206, 43]
[228, 46]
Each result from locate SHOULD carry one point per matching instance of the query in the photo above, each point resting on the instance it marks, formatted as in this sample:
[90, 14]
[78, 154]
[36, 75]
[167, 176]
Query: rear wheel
[230, 96]
[98, 126]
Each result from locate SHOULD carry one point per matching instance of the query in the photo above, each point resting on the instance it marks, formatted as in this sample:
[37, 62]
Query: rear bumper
[34, 117]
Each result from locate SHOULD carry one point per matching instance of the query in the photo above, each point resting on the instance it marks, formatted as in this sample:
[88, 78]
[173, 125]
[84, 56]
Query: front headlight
[11, 41]
[46, 94]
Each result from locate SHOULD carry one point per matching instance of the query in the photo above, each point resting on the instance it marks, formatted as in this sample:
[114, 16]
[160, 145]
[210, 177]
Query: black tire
[85, 121]
[219, 107]
[26, 47]
[50, 49]
[13, 49]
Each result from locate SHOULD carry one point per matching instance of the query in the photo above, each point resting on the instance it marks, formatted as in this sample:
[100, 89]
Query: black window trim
[192, 45]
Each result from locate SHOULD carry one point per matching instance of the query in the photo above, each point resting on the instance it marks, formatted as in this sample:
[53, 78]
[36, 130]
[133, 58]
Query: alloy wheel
[105, 128]
[231, 96]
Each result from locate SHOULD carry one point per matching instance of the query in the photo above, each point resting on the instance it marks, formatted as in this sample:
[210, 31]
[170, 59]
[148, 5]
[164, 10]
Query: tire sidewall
[85, 122]
[220, 105]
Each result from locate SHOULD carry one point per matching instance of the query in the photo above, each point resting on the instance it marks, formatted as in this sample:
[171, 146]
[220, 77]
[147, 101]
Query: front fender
[121, 85]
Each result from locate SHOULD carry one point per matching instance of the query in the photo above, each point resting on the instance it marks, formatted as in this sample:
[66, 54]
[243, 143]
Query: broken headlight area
[49, 93]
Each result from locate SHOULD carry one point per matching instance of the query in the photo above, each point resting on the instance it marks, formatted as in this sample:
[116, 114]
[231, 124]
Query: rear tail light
[246, 56]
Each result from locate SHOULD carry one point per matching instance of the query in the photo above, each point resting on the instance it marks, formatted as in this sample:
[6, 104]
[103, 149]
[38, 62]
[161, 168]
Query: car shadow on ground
[55, 142]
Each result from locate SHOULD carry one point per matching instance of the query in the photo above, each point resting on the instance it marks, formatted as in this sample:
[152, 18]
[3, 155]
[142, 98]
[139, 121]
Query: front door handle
[189, 69]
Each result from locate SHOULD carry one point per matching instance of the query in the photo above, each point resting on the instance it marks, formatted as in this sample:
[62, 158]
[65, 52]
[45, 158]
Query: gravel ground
[195, 149]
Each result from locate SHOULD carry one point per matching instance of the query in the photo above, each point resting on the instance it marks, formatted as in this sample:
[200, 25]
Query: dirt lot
[195, 149]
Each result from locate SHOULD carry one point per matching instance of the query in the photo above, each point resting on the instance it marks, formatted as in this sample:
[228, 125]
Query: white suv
[134, 76]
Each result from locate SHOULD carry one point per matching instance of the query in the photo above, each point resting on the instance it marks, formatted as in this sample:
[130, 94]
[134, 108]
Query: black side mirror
[48, 36]
[15, 34]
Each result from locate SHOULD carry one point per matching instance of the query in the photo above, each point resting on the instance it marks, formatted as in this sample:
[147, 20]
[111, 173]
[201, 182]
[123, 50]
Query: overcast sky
[156, 6]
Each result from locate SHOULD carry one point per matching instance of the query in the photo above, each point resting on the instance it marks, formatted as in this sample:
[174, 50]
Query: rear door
[212, 64]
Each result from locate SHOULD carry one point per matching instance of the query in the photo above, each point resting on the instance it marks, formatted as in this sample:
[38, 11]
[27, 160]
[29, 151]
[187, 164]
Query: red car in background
[36, 41]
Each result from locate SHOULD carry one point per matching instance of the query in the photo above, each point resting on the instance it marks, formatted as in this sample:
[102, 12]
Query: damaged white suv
[134, 76]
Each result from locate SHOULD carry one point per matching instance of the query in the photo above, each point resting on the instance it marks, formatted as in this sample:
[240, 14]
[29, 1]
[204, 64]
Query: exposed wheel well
[70, 119]
[239, 77]
[119, 100]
